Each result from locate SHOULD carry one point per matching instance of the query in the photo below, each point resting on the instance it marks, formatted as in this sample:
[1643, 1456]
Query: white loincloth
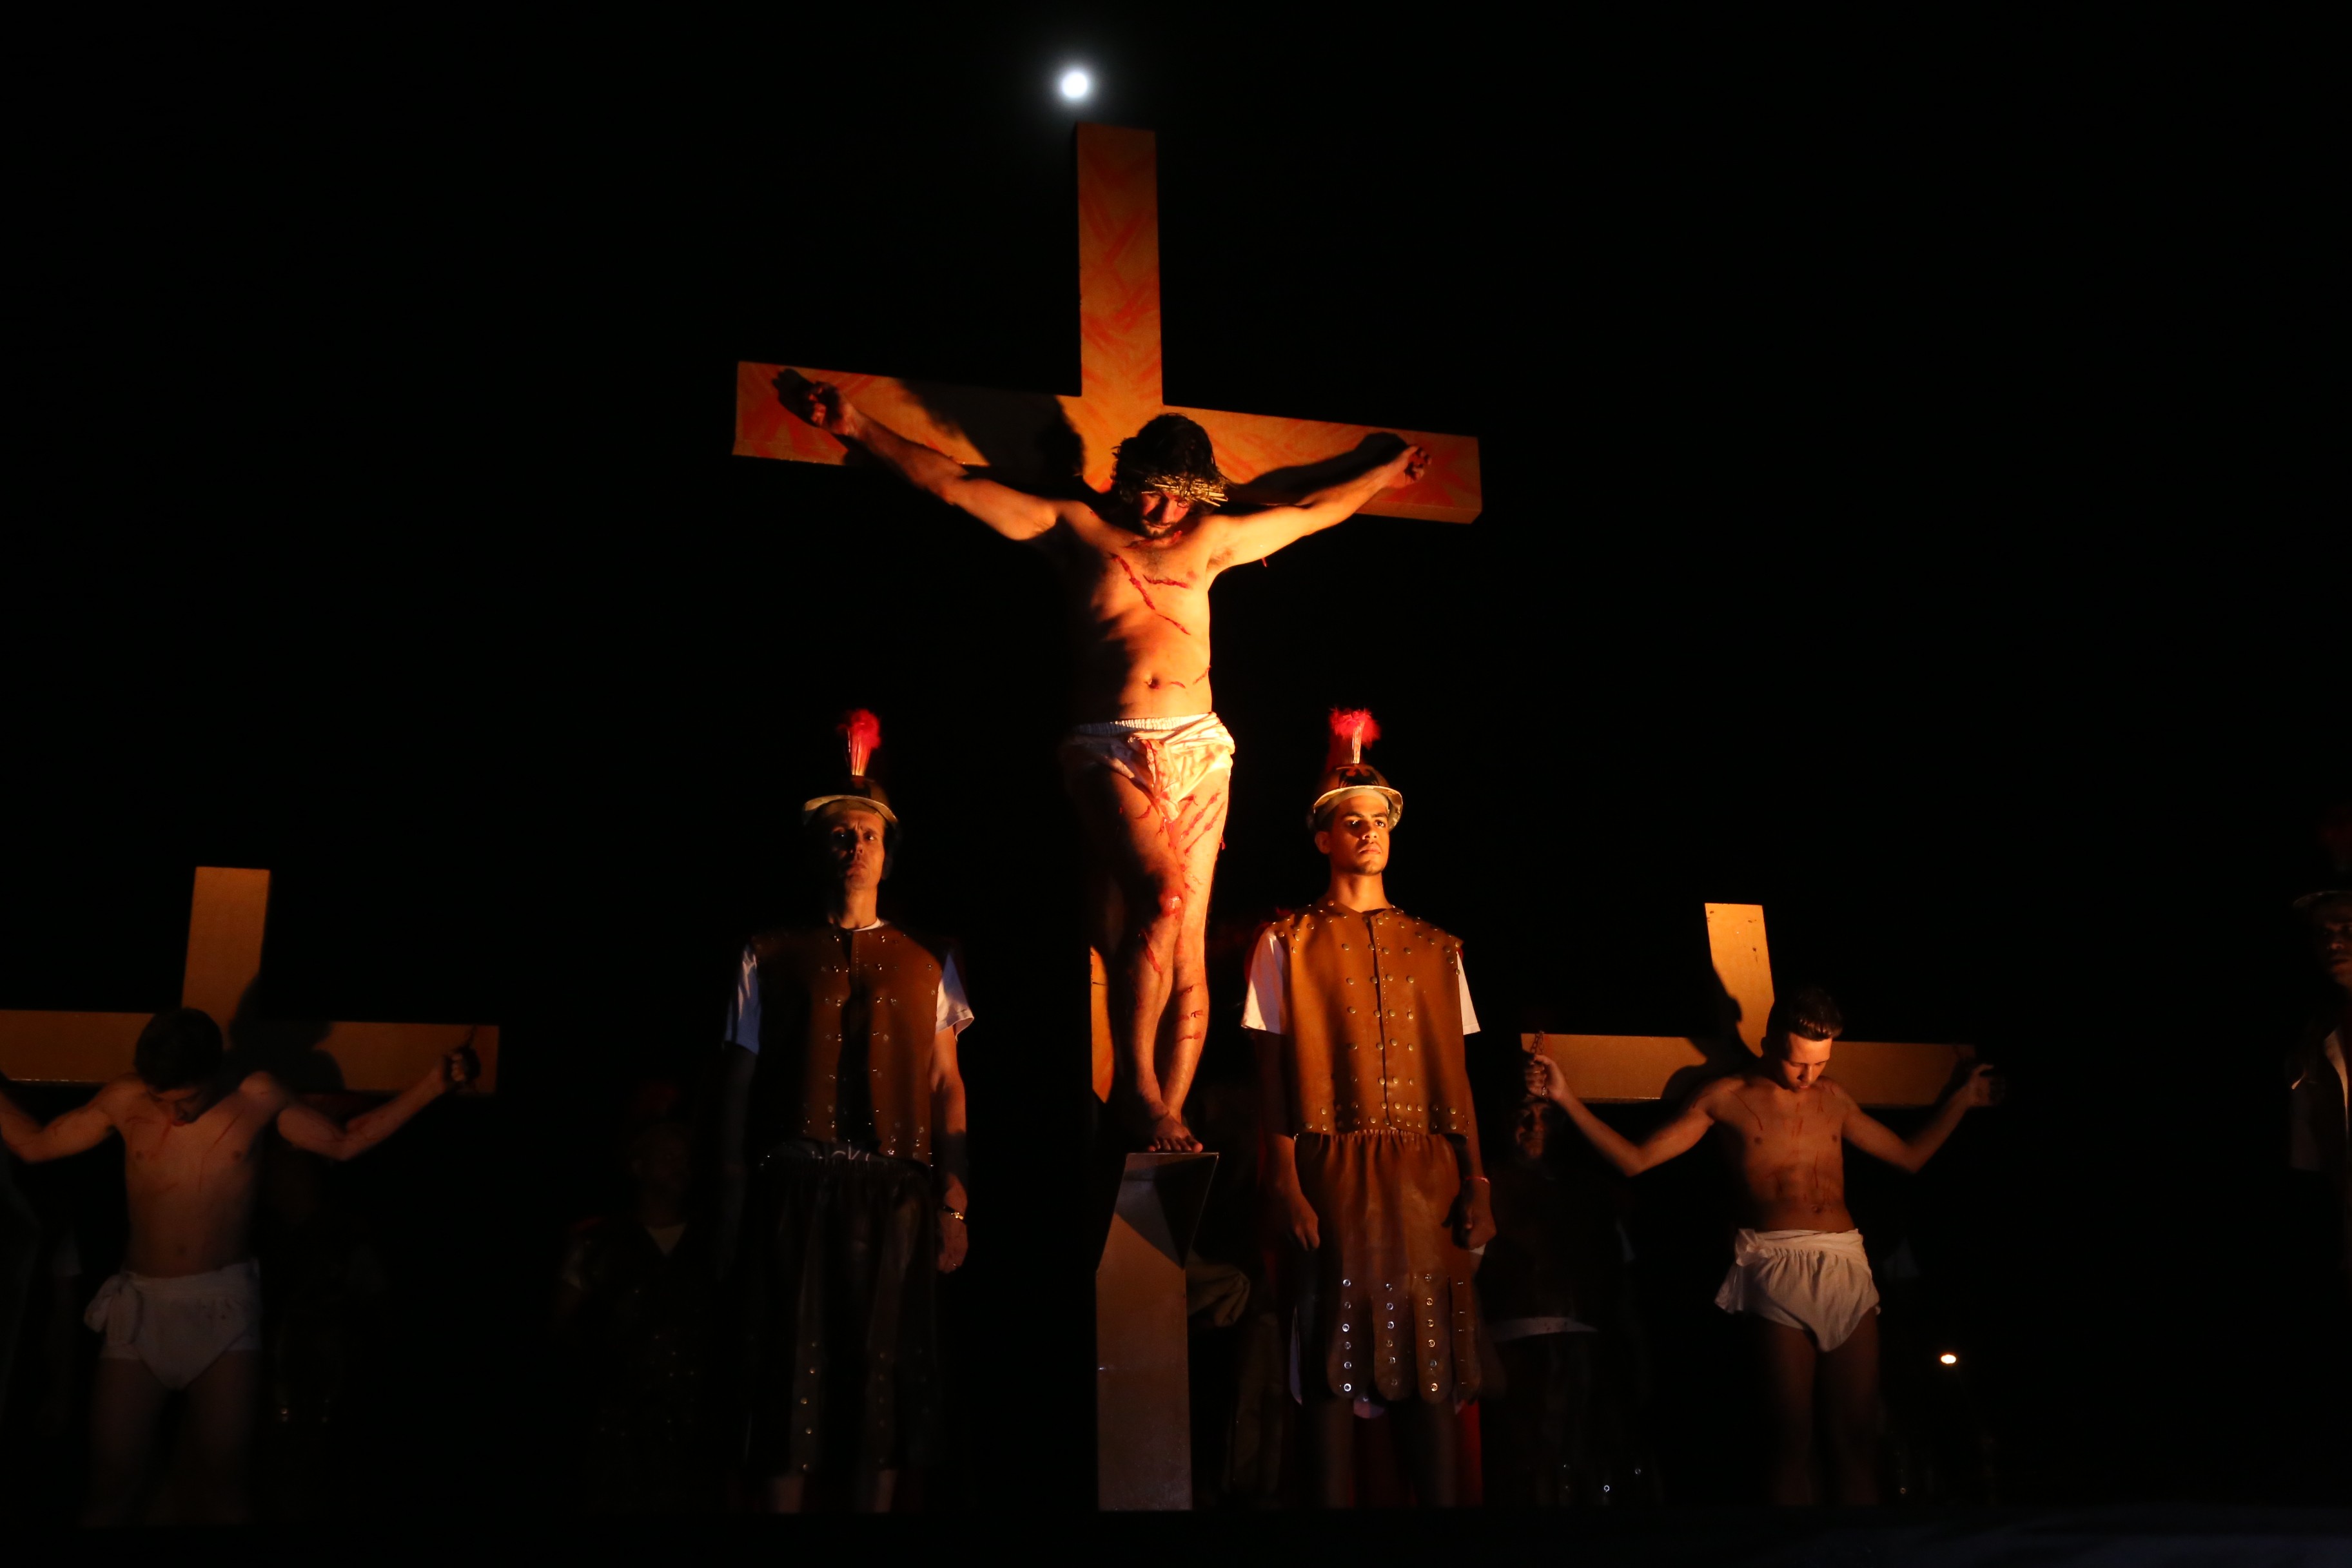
[179, 1324]
[1170, 760]
[1817, 1280]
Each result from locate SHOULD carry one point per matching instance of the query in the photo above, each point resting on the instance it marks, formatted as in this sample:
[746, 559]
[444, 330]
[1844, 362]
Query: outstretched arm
[1678, 1136]
[1256, 535]
[949, 1147]
[305, 1128]
[1013, 513]
[83, 1127]
[1872, 1136]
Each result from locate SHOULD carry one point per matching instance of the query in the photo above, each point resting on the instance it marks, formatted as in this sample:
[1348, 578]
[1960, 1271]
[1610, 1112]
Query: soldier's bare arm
[1254, 536]
[305, 1128]
[84, 1127]
[1013, 513]
[949, 1148]
[1678, 1136]
[1282, 1159]
[1874, 1137]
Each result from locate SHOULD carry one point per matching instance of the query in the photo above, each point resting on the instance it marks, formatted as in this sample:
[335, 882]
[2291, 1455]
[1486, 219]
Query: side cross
[227, 918]
[1039, 437]
[1622, 1068]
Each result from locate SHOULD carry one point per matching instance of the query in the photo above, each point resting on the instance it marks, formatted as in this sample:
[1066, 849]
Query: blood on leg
[1127, 833]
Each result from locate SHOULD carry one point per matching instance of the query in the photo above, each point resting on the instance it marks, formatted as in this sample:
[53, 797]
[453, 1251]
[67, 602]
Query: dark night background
[1908, 468]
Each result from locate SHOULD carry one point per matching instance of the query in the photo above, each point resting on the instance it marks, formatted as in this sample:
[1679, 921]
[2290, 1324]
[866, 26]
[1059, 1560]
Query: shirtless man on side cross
[186, 1311]
[1149, 760]
[1799, 1275]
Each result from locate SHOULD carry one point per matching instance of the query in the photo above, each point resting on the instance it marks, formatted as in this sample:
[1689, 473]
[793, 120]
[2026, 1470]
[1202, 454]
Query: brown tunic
[1374, 1066]
[841, 1234]
[845, 1031]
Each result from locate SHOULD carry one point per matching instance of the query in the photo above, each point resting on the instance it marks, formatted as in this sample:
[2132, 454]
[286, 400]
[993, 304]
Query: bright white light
[1949, 1359]
[1075, 85]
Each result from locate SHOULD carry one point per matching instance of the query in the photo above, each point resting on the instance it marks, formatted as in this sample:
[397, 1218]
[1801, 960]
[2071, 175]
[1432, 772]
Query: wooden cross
[1040, 437]
[225, 922]
[1624, 1069]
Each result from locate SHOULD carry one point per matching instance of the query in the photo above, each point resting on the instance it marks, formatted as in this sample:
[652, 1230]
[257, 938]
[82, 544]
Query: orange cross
[227, 918]
[1037, 437]
[1626, 1067]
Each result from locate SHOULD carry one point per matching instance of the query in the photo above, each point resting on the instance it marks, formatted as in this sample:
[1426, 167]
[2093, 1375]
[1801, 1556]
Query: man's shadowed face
[1160, 513]
[1796, 1061]
[183, 1104]
[1355, 838]
[2331, 940]
[1531, 1130]
[853, 845]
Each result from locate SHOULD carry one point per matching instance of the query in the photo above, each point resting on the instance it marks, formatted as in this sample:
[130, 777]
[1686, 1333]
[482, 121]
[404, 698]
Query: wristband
[951, 1214]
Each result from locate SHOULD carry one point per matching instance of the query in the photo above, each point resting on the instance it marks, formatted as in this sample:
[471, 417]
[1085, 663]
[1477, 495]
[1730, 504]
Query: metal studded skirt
[1388, 1312]
[841, 1278]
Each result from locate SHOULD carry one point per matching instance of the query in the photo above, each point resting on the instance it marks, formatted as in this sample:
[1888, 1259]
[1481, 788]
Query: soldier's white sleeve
[1265, 1006]
[954, 1009]
[743, 1013]
[1469, 1014]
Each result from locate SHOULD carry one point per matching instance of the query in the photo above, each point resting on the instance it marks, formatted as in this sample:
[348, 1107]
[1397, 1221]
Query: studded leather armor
[845, 1032]
[1375, 1009]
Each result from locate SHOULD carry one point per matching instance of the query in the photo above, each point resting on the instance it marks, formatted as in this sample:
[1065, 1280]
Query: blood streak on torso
[1788, 1150]
[190, 1185]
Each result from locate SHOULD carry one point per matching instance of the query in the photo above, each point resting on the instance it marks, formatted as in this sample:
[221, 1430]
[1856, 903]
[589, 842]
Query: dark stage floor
[2273, 1538]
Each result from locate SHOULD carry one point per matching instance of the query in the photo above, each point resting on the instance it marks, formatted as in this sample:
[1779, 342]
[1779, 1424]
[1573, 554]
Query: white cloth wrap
[1817, 1280]
[179, 1324]
[1170, 760]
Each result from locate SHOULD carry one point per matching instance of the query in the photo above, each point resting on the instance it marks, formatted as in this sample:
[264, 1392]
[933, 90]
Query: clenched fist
[818, 402]
[1407, 467]
[1546, 1081]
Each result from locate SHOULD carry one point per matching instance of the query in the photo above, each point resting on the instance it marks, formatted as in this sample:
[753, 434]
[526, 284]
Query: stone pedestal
[1143, 1424]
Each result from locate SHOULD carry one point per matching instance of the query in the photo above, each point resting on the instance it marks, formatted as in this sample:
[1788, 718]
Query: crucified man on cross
[1799, 1275]
[186, 1311]
[1149, 762]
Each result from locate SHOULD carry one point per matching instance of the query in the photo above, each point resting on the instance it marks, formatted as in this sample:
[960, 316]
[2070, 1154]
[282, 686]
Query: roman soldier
[1358, 1010]
[843, 1165]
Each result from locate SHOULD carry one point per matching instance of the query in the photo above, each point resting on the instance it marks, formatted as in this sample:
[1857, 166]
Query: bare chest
[163, 1154]
[1169, 575]
[1765, 1132]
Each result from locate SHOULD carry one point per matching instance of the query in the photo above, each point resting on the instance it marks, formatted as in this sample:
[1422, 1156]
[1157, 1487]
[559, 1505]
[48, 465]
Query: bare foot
[1170, 1136]
[1153, 1127]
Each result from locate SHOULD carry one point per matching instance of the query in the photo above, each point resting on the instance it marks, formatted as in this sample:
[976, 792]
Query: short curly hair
[1170, 455]
[1809, 1011]
[177, 1048]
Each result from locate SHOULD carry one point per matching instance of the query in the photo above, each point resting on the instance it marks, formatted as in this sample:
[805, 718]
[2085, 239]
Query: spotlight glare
[1949, 1359]
[1075, 85]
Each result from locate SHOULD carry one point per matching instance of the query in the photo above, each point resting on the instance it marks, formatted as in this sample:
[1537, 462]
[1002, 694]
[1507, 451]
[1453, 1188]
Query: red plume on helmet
[1344, 772]
[861, 734]
[1352, 729]
[861, 737]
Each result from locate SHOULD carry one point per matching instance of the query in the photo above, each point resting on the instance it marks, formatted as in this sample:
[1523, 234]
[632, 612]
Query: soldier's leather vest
[1375, 1012]
[845, 1032]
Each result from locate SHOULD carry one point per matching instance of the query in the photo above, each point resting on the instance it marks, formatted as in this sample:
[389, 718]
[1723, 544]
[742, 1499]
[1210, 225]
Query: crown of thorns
[1184, 488]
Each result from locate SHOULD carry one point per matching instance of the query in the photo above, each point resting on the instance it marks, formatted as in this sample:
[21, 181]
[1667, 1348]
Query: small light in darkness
[1076, 84]
[1949, 1359]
